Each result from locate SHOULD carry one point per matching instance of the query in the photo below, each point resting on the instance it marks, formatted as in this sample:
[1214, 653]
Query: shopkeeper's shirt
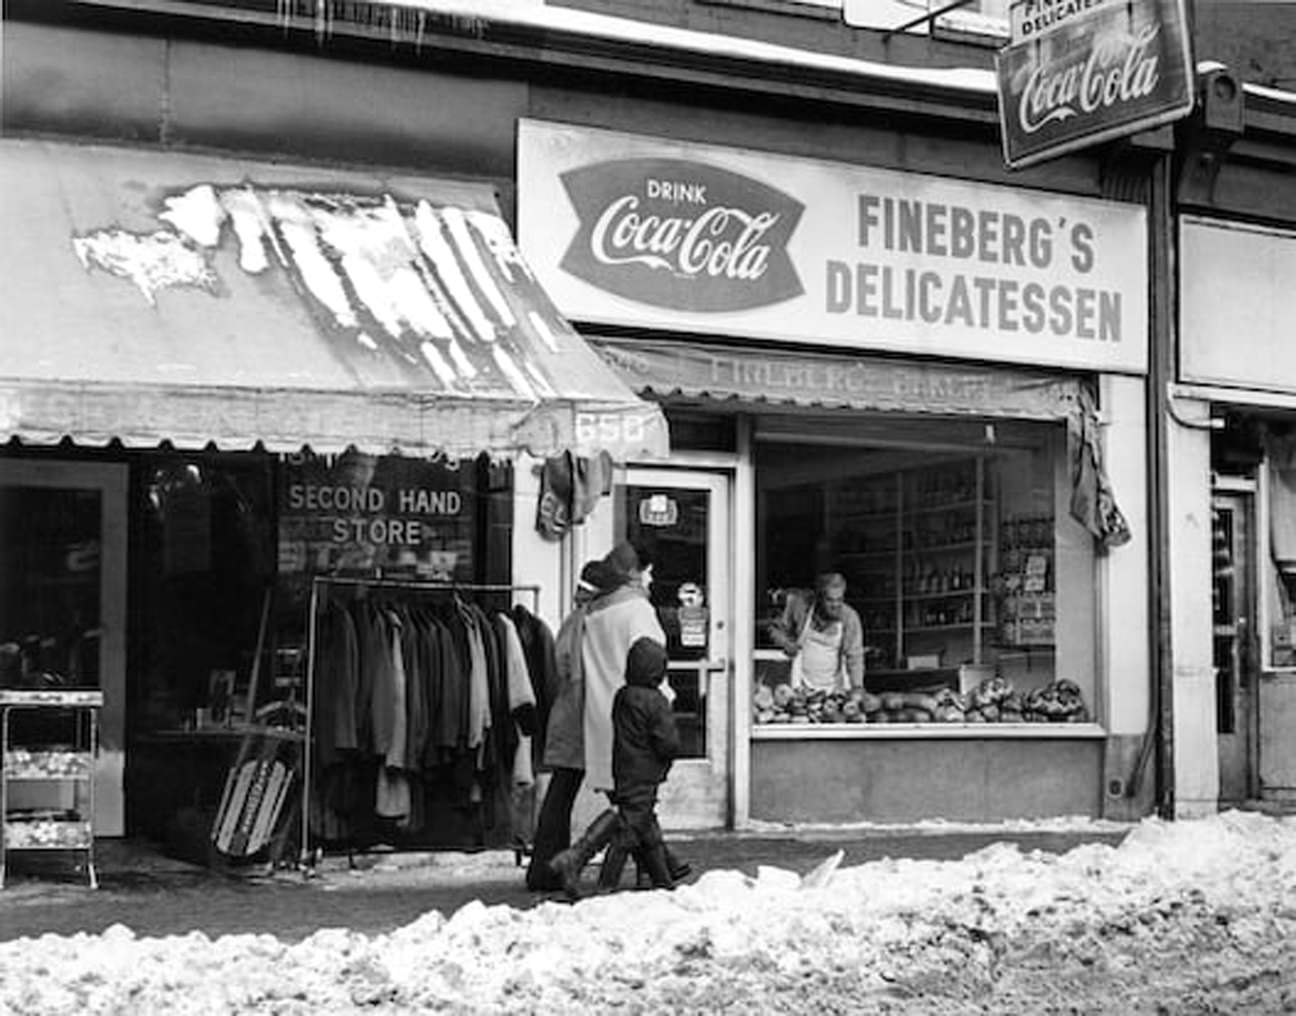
[786, 629]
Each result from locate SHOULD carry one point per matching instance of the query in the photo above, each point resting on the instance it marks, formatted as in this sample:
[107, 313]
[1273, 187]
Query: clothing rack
[323, 582]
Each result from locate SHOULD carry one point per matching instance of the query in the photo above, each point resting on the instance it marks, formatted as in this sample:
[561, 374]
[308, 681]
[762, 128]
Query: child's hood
[646, 663]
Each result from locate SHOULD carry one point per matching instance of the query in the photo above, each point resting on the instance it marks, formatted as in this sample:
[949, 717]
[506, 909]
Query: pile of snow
[1193, 916]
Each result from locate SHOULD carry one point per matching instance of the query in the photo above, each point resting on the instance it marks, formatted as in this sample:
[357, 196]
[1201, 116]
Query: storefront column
[744, 634]
[1124, 608]
[1196, 765]
[537, 561]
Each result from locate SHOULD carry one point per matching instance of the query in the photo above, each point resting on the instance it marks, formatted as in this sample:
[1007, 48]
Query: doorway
[63, 594]
[682, 518]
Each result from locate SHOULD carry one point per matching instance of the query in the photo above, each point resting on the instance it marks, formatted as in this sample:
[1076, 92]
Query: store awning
[153, 296]
[745, 378]
[812, 380]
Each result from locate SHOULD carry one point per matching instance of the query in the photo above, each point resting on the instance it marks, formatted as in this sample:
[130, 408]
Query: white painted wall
[537, 560]
[555, 566]
[1123, 573]
[1196, 764]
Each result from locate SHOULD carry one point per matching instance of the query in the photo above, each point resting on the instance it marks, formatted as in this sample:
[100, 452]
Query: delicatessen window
[969, 591]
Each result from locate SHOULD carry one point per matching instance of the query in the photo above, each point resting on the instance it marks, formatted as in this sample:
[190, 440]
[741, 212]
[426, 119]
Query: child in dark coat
[645, 743]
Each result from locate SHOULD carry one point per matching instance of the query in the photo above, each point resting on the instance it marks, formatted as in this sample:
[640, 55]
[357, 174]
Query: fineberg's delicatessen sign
[1078, 72]
[631, 230]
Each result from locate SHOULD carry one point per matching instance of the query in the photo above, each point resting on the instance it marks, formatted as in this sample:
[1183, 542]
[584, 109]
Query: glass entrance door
[682, 518]
[1234, 658]
[63, 598]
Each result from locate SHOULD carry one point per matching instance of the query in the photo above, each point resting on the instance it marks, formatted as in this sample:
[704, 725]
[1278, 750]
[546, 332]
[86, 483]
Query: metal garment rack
[396, 585]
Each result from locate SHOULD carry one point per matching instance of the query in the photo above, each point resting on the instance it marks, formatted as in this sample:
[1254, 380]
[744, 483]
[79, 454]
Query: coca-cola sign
[681, 235]
[1113, 71]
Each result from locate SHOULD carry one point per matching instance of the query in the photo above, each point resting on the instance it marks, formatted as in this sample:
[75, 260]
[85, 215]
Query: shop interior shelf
[963, 626]
[70, 762]
[942, 548]
[48, 764]
[952, 506]
[45, 833]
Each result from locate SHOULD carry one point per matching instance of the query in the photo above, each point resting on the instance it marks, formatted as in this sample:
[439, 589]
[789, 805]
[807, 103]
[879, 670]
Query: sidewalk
[154, 895]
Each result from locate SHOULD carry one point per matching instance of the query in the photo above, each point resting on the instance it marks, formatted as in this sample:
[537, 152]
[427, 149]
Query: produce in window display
[994, 700]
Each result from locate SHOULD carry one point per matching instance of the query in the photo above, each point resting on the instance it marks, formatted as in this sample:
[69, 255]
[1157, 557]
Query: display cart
[63, 754]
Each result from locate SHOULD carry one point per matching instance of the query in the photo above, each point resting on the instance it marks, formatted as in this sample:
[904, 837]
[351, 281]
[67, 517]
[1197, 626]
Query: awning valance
[776, 378]
[153, 296]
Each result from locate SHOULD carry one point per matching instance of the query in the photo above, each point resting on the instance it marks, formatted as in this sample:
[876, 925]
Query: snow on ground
[1186, 917]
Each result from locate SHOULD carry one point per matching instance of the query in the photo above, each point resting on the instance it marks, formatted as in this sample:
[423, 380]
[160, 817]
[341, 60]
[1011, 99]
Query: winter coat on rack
[337, 676]
[538, 645]
[521, 700]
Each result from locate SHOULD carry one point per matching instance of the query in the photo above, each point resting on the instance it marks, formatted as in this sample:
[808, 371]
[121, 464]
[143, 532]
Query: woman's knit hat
[596, 578]
[625, 559]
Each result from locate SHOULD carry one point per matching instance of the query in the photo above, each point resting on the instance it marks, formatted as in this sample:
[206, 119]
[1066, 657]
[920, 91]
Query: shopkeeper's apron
[818, 664]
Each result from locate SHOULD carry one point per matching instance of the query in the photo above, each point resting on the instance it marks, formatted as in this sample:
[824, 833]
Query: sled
[264, 778]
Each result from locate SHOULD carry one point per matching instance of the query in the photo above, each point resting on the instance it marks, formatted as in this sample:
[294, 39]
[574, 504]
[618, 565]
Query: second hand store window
[974, 585]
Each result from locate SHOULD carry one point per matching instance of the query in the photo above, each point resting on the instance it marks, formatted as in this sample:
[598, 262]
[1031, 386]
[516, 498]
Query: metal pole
[304, 850]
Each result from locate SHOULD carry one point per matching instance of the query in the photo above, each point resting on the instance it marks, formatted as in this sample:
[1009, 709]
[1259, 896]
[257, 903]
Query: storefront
[226, 379]
[931, 386]
[1233, 455]
[1230, 426]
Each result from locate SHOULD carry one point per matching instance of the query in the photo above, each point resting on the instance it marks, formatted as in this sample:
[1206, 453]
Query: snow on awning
[158, 296]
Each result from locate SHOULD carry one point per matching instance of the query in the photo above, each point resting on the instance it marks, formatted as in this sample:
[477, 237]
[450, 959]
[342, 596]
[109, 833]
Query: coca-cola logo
[681, 235]
[1119, 69]
[1109, 71]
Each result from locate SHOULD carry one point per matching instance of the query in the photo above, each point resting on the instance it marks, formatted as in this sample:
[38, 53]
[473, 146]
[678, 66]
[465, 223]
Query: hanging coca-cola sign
[681, 235]
[1077, 80]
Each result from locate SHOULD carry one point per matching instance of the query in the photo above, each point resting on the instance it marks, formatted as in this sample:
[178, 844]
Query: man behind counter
[823, 635]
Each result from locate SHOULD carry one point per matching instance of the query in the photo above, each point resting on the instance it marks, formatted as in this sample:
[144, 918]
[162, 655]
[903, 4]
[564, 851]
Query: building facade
[877, 352]
[1229, 422]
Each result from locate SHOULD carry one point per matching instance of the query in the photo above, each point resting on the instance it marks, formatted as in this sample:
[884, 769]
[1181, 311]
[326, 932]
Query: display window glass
[968, 586]
[227, 544]
[203, 557]
[50, 562]
[1279, 565]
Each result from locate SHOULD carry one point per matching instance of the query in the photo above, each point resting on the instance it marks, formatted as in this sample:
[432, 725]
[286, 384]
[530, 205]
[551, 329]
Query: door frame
[717, 670]
[111, 479]
[1270, 679]
[1240, 495]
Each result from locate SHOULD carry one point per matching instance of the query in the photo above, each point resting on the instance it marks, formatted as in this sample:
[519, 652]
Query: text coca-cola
[722, 241]
[1120, 68]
